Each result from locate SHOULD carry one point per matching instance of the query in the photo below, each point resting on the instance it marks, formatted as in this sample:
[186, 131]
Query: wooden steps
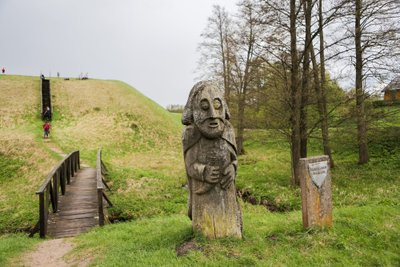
[46, 97]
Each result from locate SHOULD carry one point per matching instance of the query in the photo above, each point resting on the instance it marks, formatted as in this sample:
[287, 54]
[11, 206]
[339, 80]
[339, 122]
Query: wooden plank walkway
[78, 208]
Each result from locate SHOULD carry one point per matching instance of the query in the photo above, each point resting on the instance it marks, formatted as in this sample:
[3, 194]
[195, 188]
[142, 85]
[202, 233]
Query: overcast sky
[149, 44]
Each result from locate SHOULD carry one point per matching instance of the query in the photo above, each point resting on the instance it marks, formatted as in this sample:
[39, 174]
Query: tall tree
[361, 120]
[295, 24]
[320, 84]
[307, 7]
[245, 64]
[282, 44]
[376, 37]
[322, 87]
[215, 48]
[229, 51]
[295, 94]
[318, 78]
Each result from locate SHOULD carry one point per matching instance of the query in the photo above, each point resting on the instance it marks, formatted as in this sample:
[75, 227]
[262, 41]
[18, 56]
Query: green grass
[112, 115]
[139, 193]
[142, 150]
[366, 214]
[361, 236]
[13, 245]
[265, 170]
[24, 158]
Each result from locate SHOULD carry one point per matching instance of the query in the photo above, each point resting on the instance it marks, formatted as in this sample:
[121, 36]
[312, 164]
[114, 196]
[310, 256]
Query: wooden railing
[101, 171]
[49, 191]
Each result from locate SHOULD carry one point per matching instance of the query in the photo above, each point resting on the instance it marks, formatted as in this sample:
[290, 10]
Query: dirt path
[53, 147]
[56, 149]
[51, 253]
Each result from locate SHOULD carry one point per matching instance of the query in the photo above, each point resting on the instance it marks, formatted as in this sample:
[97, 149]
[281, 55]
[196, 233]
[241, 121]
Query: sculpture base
[217, 214]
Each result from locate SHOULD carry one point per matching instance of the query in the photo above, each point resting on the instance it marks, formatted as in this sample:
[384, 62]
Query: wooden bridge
[75, 196]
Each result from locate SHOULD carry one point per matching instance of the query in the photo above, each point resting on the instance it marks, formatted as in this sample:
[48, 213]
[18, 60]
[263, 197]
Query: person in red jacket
[46, 128]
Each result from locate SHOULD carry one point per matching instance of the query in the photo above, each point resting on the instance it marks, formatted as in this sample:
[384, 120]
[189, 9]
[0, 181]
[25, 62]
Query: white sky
[149, 44]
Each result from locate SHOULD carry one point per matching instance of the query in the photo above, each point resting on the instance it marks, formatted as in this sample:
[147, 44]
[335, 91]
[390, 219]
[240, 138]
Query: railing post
[76, 157]
[79, 160]
[68, 170]
[56, 186]
[50, 189]
[100, 188]
[72, 165]
[101, 211]
[63, 177]
[42, 216]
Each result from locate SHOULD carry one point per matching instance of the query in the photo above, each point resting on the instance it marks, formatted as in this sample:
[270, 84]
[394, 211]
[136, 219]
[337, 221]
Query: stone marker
[211, 162]
[316, 195]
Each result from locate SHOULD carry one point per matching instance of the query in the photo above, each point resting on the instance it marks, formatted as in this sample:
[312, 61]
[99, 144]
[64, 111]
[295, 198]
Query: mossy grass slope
[140, 142]
[24, 160]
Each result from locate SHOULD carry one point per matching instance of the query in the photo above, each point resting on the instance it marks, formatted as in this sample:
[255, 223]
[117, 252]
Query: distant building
[392, 90]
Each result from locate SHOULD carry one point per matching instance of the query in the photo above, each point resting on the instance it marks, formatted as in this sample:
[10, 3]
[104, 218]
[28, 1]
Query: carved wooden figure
[211, 163]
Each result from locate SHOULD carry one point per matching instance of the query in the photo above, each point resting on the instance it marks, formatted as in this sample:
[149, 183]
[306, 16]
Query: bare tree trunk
[295, 96]
[303, 127]
[307, 6]
[217, 44]
[240, 127]
[321, 104]
[225, 53]
[361, 120]
[227, 82]
[223, 56]
[245, 79]
[322, 90]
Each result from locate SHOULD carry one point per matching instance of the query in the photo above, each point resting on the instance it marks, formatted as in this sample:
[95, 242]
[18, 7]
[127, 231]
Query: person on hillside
[47, 114]
[3, 70]
[46, 128]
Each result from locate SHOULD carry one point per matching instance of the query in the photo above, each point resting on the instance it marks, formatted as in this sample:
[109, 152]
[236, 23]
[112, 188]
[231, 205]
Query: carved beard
[211, 128]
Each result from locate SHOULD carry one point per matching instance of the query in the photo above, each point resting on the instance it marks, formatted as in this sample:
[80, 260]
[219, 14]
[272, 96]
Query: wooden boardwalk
[78, 208]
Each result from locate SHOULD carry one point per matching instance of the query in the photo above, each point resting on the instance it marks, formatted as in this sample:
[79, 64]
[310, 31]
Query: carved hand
[211, 174]
[228, 176]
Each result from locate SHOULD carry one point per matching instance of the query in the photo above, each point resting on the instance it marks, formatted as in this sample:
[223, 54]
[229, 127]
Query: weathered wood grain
[78, 208]
[316, 201]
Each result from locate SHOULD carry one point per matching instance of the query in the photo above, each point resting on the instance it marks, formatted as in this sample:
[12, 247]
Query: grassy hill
[24, 160]
[110, 114]
[137, 136]
[141, 147]
[140, 141]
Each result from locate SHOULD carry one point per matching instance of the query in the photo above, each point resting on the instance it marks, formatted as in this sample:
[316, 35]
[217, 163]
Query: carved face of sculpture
[209, 112]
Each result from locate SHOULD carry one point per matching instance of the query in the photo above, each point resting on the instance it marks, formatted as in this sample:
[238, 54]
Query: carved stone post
[211, 162]
[316, 195]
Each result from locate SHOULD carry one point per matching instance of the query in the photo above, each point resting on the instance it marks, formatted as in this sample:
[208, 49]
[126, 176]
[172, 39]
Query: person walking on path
[46, 128]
